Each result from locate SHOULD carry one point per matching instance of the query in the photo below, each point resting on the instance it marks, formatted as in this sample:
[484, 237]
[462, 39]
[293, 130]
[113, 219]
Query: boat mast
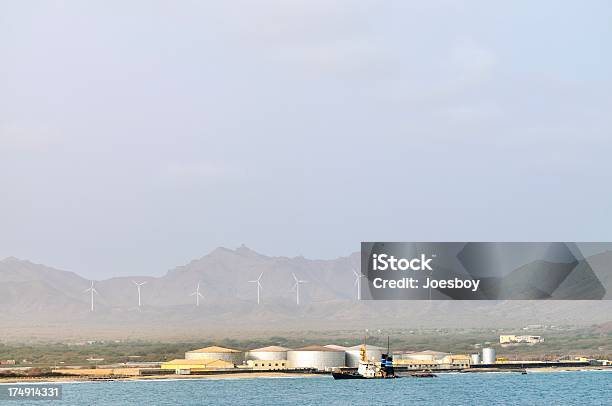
[363, 352]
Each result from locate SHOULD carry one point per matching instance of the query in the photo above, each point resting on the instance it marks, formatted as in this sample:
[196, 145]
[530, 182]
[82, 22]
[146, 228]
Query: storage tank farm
[475, 359]
[488, 355]
[317, 357]
[214, 353]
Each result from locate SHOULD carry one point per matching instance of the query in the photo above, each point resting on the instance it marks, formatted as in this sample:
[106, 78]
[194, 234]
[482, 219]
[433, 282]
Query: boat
[424, 375]
[368, 369]
[347, 375]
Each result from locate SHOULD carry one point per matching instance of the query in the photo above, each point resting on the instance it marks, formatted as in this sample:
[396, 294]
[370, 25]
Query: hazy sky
[136, 136]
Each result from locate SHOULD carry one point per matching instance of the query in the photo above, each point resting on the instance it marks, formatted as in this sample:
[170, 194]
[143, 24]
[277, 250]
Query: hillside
[40, 300]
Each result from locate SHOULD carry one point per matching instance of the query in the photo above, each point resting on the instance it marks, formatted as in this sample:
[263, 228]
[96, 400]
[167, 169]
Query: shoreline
[85, 378]
[256, 375]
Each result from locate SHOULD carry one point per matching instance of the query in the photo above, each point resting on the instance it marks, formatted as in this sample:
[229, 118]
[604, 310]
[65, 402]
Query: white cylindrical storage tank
[214, 352]
[339, 348]
[425, 356]
[475, 359]
[488, 355]
[353, 354]
[315, 356]
[272, 353]
[401, 355]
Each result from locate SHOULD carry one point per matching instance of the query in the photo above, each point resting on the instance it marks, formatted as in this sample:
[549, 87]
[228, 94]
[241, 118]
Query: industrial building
[512, 339]
[316, 356]
[268, 353]
[353, 354]
[415, 364]
[457, 361]
[183, 365]
[267, 365]
[216, 353]
[434, 361]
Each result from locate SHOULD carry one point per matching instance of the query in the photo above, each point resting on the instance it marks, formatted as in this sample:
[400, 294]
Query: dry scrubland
[561, 341]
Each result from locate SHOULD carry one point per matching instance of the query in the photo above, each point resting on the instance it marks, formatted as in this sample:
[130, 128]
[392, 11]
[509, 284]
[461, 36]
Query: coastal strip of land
[249, 375]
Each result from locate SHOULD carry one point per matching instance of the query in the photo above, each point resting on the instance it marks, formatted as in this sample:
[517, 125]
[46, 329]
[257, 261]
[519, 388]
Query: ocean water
[555, 388]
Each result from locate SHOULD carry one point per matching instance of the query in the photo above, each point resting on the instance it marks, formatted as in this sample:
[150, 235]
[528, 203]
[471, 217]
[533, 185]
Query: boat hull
[343, 375]
[349, 375]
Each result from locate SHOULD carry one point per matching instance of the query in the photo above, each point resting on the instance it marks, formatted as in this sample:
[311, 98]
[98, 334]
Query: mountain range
[40, 301]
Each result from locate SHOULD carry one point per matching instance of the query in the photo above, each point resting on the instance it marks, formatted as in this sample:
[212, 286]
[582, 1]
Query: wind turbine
[429, 275]
[92, 290]
[197, 294]
[296, 286]
[257, 281]
[138, 285]
[358, 283]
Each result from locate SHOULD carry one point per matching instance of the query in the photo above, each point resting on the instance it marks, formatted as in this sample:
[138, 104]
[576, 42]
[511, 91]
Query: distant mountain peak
[246, 251]
[242, 251]
[221, 250]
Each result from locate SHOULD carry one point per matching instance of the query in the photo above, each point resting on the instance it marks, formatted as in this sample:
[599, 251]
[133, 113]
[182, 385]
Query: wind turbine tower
[138, 285]
[92, 290]
[296, 286]
[258, 282]
[358, 277]
[197, 294]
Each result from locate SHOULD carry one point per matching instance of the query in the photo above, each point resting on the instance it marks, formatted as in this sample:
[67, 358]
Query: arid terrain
[44, 303]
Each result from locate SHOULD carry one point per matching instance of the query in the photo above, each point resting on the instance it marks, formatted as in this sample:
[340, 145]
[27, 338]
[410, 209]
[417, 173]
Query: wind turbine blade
[260, 275]
[253, 281]
[294, 277]
[356, 274]
[191, 294]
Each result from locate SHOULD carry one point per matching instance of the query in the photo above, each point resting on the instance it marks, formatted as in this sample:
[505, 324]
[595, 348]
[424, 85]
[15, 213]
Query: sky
[136, 136]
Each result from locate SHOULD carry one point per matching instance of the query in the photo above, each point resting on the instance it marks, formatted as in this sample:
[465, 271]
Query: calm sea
[558, 388]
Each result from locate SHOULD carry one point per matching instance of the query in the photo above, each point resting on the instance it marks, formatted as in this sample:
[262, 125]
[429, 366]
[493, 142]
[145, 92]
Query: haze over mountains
[44, 300]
